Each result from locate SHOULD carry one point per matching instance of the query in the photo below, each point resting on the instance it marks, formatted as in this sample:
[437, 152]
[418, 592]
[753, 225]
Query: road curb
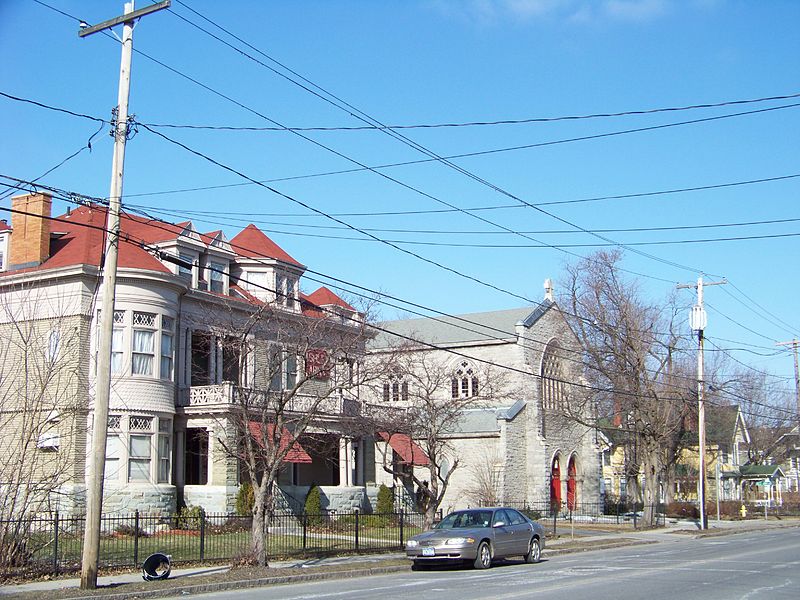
[203, 588]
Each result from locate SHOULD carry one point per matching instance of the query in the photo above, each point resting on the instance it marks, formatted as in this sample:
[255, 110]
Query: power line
[775, 320]
[154, 249]
[364, 117]
[482, 245]
[449, 210]
[455, 232]
[474, 123]
[55, 108]
[357, 113]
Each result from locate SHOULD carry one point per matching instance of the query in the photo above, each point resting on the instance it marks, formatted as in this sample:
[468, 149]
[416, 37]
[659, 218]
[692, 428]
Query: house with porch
[185, 350]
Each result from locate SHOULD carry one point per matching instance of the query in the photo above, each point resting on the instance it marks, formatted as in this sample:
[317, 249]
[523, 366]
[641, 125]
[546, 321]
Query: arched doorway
[572, 484]
[555, 485]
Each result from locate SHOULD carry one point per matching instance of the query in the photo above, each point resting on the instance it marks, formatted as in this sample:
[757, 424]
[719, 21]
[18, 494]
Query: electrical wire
[156, 250]
[357, 113]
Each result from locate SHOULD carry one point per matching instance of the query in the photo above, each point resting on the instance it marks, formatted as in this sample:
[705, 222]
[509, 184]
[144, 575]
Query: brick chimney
[30, 240]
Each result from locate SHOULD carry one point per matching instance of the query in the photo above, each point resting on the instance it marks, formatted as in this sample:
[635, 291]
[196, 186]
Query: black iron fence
[554, 515]
[54, 544]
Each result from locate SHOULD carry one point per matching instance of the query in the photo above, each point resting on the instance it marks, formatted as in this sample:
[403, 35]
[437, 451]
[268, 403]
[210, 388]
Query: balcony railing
[225, 394]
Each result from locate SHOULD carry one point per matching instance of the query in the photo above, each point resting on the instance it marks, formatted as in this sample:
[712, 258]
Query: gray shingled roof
[460, 329]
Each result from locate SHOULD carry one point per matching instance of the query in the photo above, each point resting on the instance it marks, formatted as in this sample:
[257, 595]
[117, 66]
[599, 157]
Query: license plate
[428, 552]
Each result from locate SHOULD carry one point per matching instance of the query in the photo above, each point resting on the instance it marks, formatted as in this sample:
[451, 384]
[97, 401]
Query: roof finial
[548, 289]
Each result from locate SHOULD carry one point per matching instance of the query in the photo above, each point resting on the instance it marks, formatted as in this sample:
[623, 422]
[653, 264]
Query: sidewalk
[198, 577]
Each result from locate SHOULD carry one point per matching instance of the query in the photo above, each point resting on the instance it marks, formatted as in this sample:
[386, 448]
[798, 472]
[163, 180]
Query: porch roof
[761, 472]
[410, 453]
[296, 453]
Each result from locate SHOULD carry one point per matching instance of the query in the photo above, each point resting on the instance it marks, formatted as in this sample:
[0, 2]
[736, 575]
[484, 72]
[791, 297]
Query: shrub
[385, 503]
[313, 506]
[245, 499]
[189, 517]
[682, 510]
[130, 530]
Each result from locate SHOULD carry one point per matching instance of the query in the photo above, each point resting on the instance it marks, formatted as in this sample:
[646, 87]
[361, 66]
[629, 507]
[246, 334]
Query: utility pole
[97, 462]
[794, 343]
[698, 321]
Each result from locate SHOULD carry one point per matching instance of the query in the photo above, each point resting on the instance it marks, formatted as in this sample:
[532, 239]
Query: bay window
[143, 344]
[138, 449]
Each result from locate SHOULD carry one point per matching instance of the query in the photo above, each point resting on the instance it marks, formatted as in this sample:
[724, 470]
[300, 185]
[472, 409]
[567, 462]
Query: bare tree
[632, 353]
[424, 401]
[768, 409]
[41, 384]
[292, 372]
[484, 487]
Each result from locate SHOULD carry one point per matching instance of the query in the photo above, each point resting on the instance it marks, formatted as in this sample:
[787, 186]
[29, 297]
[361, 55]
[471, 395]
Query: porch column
[345, 461]
[360, 466]
[215, 364]
[179, 463]
[186, 356]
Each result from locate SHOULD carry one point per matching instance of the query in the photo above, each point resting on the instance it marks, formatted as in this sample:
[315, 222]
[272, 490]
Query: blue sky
[447, 61]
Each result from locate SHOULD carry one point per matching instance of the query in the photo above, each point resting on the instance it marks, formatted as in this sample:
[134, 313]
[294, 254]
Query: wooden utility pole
[698, 321]
[97, 462]
[794, 343]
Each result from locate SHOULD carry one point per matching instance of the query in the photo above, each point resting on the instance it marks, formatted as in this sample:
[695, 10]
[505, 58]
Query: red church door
[555, 486]
[572, 484]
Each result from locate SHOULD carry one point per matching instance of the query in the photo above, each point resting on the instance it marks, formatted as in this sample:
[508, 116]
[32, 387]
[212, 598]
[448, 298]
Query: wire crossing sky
[670, 128]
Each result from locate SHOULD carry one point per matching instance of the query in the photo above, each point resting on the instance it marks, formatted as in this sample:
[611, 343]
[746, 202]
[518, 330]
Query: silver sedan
[478, 535]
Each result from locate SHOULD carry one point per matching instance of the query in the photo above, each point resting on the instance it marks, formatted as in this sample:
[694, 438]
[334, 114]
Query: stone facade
[521, 438]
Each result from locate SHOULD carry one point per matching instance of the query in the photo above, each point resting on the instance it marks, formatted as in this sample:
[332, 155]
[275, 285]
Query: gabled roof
[251, 242]
[461, 329]
[761, 471]
[313, 305]
[325, 297]
[83, 241]
[4, 226]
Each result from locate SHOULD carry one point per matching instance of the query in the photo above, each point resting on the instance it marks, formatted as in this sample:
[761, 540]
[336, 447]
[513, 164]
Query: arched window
[572, 484]
[464, 383]
[554, 384]
[395, 389]
[555, 484]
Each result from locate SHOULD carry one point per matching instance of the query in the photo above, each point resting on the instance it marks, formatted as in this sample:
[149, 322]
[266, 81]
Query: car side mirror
[500, 524]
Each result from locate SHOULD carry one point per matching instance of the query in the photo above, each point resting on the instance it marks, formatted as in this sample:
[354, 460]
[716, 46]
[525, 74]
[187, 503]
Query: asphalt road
[747, 566]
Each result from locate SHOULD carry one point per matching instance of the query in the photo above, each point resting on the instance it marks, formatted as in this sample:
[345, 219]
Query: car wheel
[483, 560]
[534, 554]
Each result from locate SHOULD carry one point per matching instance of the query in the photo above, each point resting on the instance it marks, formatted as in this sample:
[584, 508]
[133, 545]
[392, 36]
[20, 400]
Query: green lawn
[184, 545]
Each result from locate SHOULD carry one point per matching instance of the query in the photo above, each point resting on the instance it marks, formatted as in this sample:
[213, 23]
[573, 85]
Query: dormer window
[285, 290]
[216, 277]
[183, 270]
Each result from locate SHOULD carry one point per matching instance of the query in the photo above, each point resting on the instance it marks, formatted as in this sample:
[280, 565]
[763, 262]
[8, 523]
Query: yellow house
[726, 451]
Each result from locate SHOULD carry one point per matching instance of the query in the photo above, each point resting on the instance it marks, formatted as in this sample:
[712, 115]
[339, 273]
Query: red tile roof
[251, 242]
[324, 297]
[82, 241]
[4, 226]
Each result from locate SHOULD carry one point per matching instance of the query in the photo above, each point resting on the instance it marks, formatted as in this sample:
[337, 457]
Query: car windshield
[466, 519]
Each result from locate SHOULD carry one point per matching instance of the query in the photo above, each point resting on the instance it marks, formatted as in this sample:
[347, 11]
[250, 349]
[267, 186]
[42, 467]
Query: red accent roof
[324, 297]
[251, 242]
[84, 240]
[4, 226]
[410, 453]
[296, 453]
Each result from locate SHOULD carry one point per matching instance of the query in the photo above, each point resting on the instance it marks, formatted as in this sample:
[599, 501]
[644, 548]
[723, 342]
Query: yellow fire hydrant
[743, 511]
